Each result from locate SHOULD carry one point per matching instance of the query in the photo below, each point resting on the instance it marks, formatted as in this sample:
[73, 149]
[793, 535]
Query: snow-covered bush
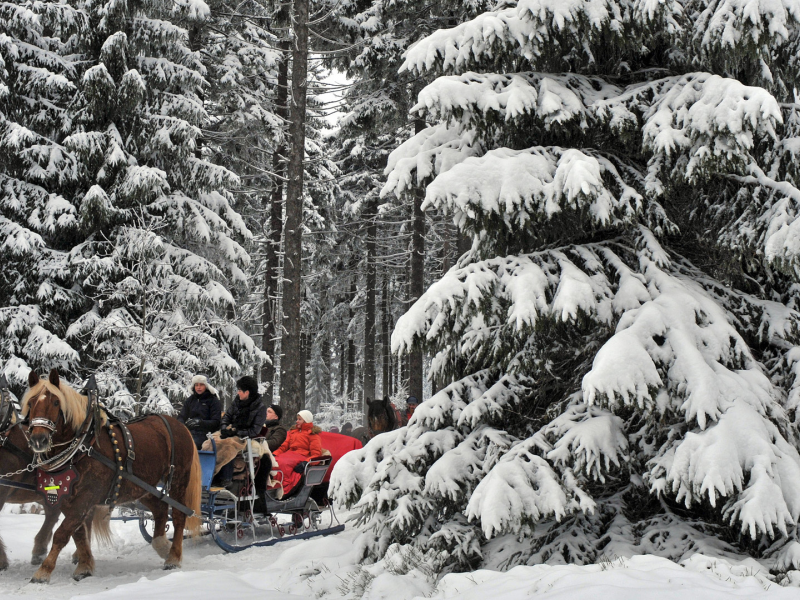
[621, 339]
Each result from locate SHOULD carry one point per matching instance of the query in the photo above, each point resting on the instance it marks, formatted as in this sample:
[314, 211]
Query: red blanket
[338, 445]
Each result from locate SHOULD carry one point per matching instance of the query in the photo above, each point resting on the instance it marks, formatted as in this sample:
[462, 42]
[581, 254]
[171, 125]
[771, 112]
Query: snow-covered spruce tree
[153, 256]
[39, 220]
[167, 276]
[621, 340]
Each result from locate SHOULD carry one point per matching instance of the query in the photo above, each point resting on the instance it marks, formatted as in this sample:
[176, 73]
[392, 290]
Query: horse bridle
[42, 422]
[46, 423]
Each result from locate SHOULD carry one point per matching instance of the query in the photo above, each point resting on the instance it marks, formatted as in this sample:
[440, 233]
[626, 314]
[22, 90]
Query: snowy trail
[131, 569]
[327, 568]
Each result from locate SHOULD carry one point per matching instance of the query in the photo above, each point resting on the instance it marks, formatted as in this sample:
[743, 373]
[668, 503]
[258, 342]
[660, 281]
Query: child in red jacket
[302, 442]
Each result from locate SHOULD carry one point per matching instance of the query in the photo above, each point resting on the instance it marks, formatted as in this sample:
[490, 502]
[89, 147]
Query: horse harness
[57, 482]
[126, 472]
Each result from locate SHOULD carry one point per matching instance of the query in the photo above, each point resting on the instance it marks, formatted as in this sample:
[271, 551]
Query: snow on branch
[587, 439]
[712, 122]
[432, 151]
[522, 186]
[18, 240]
[515, 292]
[727, 25]
[533, 28]
[472, 99]
[523, 488]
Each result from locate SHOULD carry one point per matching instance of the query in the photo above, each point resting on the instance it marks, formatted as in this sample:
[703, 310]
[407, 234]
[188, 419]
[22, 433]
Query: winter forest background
[571, 226]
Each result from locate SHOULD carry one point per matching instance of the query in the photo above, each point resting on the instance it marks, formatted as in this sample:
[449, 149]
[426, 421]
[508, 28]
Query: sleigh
[245, 517]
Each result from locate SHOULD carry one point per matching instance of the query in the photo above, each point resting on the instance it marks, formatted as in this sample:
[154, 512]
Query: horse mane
[391, 415]
[73, 404]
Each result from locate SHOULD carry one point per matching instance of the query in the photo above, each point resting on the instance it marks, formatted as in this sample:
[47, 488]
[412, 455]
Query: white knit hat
[306, 416]
[204, 380]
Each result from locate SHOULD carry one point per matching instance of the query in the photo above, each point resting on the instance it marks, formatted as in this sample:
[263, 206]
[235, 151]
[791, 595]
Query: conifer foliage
[122, 246]
[621, 339]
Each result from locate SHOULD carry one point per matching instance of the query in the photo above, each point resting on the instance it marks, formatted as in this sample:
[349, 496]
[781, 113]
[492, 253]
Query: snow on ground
[327, 568]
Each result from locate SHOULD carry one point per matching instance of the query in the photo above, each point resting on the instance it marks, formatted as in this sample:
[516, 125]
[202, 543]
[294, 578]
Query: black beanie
[247, 384]
[277, 409]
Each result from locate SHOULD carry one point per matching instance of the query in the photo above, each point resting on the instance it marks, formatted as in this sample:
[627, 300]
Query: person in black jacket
[202, 411]
[275, 436]
[244, 418]
[276, 433]
[247, 414]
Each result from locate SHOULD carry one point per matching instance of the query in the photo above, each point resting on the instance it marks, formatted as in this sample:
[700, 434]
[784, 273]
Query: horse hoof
[36, 579]
[79, 576]
[37, 559]
[171, 566]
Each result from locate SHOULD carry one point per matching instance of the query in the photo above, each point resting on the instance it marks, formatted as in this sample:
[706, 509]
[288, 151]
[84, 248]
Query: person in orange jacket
[303, 438]
[302, 442]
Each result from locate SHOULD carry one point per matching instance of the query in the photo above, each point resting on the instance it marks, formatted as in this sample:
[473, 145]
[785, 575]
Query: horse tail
[194, 494]
[101, 525]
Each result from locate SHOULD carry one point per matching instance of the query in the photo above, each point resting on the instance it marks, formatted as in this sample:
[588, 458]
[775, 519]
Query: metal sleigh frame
[232, 520]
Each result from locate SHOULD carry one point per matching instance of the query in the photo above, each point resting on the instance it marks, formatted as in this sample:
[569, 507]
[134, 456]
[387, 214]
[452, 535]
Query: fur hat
[204, 380]
[247, 384]
[306, 416]
[277, 410]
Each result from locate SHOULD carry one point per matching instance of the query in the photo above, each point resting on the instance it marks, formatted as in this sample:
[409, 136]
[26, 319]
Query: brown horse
[58, 415]
[381, 417]
[12, 458]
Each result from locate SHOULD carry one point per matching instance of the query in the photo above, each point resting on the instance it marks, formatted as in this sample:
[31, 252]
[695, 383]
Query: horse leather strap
[128, 438]
[17, 485]
[158, 494]
[168, 483]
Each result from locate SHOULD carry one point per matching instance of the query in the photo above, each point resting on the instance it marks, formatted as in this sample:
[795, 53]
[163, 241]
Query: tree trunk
[369, 317]
[464, 244]
[292, 363]
[351, 348]
[307, 347]
[325, 357]
[343, 371]
[270, 315]
[386, 330]
[417, 280]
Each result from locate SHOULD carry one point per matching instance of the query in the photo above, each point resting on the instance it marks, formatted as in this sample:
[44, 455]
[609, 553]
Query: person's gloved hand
[300, 467]
[227, 433]
[192, 423]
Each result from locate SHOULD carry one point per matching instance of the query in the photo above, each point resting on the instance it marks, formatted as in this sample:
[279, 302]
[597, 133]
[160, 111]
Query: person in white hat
[302, 442]
[202, 410]
[303, 438]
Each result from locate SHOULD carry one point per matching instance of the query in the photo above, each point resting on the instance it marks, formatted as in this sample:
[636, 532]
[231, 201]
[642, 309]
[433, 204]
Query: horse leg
[42, 539]
[60, 539]
[176, 552]
[82, 536]
[87, 525]
[160, 542]
[3, 557]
